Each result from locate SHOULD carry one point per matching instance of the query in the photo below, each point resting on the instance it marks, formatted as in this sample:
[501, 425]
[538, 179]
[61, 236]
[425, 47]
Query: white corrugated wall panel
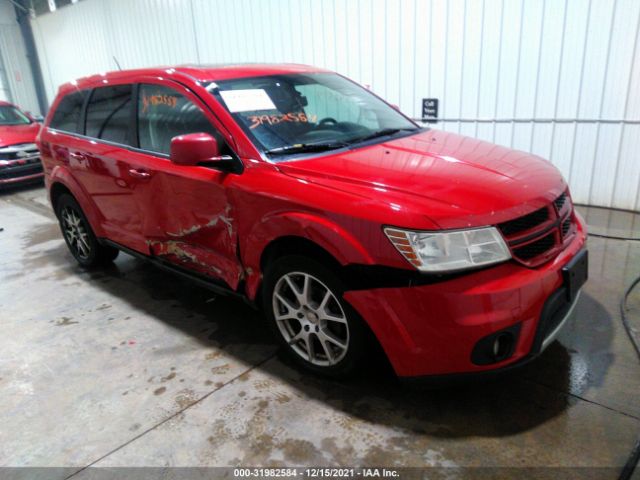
[540, 60]
[17, 69]
[16, 83]
[7, 17]
[73, 43]
[150, 32]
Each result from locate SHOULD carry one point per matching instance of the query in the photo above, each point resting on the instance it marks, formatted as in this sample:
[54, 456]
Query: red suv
[306, 194]
[19, 158]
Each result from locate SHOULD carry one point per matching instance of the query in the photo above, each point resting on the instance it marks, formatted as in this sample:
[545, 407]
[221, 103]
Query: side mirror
[198, 149]
[395, 106]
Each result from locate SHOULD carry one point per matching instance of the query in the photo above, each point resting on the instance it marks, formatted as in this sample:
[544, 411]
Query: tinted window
[67, 115]
[163, 114]
[109, 114]
[283, 112]
[10, 115]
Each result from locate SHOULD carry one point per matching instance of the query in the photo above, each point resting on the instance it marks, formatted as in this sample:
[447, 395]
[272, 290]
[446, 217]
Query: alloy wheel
[311, 319]
[76, 232]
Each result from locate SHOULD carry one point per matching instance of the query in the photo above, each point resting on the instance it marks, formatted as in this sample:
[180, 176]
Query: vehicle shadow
[12, 189]
[512, 403]
[501, 406]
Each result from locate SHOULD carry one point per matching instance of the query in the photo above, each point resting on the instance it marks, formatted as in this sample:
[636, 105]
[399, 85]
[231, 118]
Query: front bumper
[21, 171]
[432, 329]
[20, 163]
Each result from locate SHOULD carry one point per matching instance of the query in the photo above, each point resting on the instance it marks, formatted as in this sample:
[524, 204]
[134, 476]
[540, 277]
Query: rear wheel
[316, 327]
[79, 236]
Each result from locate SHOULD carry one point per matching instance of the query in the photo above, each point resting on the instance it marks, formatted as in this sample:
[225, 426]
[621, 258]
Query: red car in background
[19, 157]
[304, 193]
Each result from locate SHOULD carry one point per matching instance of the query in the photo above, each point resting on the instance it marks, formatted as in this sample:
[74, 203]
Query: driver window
[163, 114]
[323, 102]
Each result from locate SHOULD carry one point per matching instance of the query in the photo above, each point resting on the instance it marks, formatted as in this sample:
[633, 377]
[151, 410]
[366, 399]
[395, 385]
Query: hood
[455, 181]
[13, 134]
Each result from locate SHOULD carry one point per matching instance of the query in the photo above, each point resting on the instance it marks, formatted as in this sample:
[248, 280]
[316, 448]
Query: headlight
[449, 251]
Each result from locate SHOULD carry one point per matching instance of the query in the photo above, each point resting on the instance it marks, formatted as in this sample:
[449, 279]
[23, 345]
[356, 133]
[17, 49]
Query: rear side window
[163, 114]
[109, 114]
[67, 115]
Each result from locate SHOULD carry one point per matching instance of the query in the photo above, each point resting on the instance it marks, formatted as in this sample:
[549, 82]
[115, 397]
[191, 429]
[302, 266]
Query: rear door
[189, 219]
[102, 164]
[61, 139]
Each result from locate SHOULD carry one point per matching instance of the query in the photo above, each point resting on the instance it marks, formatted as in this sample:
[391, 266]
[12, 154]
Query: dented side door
[189, 219]
[192, 222]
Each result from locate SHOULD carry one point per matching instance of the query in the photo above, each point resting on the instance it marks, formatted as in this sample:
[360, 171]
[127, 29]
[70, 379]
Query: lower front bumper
[26, 178]
[456, 378]
[20, 170]
[431, 330]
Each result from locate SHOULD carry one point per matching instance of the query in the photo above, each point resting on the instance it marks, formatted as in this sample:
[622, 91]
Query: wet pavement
[130, 366]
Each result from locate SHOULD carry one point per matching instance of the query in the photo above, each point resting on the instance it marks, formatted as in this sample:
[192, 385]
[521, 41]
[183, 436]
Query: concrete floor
[131, 366]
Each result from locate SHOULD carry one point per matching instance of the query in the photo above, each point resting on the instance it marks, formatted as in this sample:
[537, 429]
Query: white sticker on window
[247, 100]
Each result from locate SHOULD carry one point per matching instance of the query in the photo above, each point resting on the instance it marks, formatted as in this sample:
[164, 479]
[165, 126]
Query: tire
[320, 322]
[79, 237]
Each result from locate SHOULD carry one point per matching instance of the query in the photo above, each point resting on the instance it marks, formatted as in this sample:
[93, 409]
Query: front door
[189, 219]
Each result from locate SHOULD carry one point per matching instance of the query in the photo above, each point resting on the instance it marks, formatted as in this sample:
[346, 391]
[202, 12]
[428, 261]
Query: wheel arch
[282, 247]
[299, 246]
[56, 191]
[62, 182]
[297, 232]
[295, 245]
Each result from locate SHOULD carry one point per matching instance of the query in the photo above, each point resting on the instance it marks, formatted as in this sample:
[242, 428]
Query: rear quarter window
[67, 114]
[109, 114]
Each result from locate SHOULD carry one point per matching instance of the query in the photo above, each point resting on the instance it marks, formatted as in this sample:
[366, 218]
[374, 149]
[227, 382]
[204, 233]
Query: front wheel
[316, 327]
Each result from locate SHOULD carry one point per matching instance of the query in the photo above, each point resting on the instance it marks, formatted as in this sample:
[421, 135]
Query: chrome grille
[23, 151]
[17, 161]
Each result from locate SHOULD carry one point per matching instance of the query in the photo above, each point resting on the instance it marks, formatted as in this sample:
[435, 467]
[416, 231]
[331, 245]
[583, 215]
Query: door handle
[80, 157]
[138, 173]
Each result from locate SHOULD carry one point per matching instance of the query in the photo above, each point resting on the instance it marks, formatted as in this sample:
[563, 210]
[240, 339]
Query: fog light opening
[496, 347]
[502, 346]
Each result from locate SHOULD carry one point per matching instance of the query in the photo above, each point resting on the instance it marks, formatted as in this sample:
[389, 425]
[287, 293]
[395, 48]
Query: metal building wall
[16, 84]
[5, 93]
[559, 78]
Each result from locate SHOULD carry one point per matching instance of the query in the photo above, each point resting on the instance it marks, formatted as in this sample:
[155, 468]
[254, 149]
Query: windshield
[12, 116]
[297, 113]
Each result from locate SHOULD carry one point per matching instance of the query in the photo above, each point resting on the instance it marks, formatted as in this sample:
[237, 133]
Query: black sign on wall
[429, 110]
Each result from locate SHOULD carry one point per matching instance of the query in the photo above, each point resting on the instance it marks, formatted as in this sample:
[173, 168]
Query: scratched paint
[208, 247]
[183, 252]
[224, 218]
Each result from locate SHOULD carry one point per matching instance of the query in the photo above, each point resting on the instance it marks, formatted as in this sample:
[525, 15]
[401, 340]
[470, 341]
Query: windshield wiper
[382, 133]
[305, 147]
[321, 147]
